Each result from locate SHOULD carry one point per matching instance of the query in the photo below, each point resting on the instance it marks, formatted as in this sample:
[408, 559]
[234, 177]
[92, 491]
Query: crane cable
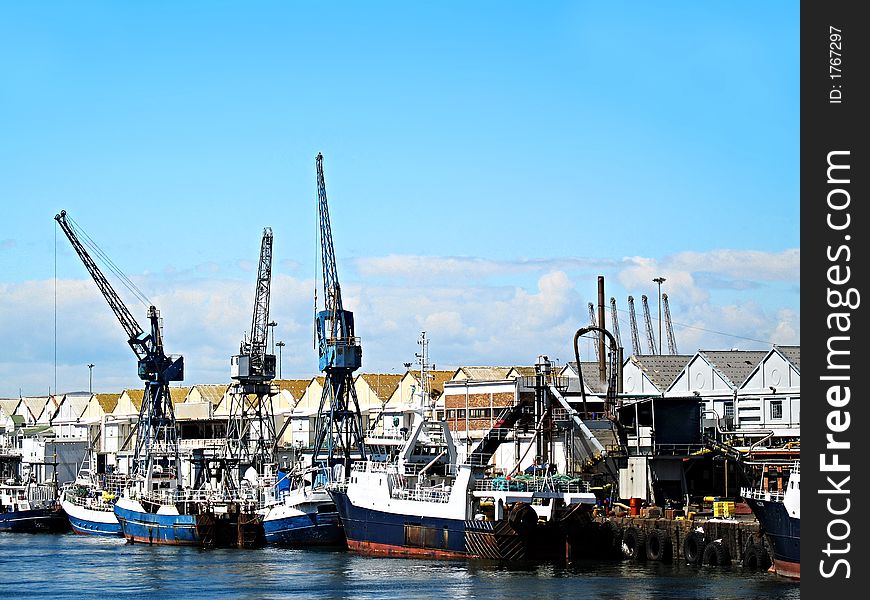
[107, 262]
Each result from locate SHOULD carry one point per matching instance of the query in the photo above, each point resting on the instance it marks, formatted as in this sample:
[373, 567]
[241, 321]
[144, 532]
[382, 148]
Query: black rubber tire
[616, 540]
[659, 546]
[634, 543]
[716, 555]
[755, 557]
[693, 547]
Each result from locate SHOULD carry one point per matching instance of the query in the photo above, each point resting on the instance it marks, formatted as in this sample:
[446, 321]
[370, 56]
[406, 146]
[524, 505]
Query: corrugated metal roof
[107, 402]
[72, 406]
[734, 365]
[382, 384]
[662, 369]
[793, 354]
[136, 397]
[34, 404]
[296, 387]
[526, 371]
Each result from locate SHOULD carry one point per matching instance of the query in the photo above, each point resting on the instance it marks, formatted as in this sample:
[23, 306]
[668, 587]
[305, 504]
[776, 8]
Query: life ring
[634, 543]
[716, 554]
[659, 546]
[693, 547]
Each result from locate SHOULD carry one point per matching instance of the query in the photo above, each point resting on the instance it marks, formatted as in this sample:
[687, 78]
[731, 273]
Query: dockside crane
[614, 316]
[251, 424]
[632, 319]
[669, 327]
[156, 452]
[650, 336]
[339, 423]
[593, 324]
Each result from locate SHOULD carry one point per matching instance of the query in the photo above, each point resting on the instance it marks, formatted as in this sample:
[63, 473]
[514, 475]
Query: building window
[776, 409]
[729, 410]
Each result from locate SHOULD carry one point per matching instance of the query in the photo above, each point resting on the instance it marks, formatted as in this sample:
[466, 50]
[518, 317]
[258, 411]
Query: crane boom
[339, 422]
[157, 436]
[650, 336]
[253, 364]
[134, 331]
[594, 332]
[669, 326]
[632, 319]
[615, 318]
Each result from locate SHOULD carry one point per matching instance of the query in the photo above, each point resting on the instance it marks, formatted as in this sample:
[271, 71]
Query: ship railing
[41, 492]
[371, 466]
[777, 496]
[89, 502]
[422, 494]
[531, 485]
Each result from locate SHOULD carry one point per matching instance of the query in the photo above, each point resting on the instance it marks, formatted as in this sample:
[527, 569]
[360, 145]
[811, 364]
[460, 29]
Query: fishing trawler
[302, 514]
[25, 504]
[425, 502]
[779, 514]
[90, 503]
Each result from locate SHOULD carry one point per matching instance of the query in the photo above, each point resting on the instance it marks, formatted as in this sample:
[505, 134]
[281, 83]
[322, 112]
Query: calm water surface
[73, 566]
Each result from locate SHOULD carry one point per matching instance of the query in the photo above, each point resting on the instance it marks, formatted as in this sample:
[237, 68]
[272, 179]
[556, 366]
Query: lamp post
[273, 325]
[660, 281]
[90, 378]
[280, 345]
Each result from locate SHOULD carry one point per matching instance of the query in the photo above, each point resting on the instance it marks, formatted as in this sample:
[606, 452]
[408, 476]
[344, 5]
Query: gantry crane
[632, 320]
[595, 333]
[251, 424]
[669, 327]
[156, 452]
[614, 316]
[339, 423]
[650, 336]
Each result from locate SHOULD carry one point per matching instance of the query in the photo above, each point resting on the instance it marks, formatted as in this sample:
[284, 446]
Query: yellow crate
[723, 509]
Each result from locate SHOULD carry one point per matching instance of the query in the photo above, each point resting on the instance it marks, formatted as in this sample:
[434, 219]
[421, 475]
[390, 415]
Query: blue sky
[484, 162]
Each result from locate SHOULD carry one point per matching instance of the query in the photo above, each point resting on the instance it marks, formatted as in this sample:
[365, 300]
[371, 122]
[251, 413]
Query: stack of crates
[723, 508]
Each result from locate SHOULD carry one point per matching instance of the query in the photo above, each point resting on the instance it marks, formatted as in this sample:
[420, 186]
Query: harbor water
[71, 566]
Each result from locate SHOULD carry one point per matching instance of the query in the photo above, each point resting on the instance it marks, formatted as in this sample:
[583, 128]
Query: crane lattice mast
[669, 326]
[632, 319]
[157, 437]
[595, 333]
[650, 336]
[614, 316]
[251, 424]
[339, 423]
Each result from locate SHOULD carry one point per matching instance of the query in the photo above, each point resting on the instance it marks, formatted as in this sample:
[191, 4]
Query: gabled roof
[734, 365]
[525, 371]
[436, 380]
[107, 402]
[591, 376]
[662, 369]
[136, 397]
[73, 405]
[483, 373]
[9, 405]
[382, 384]
[178, 394]
[213, 392]
[792, 354]
[296, 387]
[34, 404]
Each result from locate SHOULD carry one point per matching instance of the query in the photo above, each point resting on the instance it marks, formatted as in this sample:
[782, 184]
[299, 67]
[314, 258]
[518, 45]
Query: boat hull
[784, 534]
[380, 533]
[150, 528]
[39, 520]
[313, 529]
[87, 521]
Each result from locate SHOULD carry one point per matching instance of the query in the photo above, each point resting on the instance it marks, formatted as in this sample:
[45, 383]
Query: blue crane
[339, 424]
[157, 437]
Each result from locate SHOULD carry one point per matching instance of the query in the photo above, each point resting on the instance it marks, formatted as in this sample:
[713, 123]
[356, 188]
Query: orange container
[634, 507]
